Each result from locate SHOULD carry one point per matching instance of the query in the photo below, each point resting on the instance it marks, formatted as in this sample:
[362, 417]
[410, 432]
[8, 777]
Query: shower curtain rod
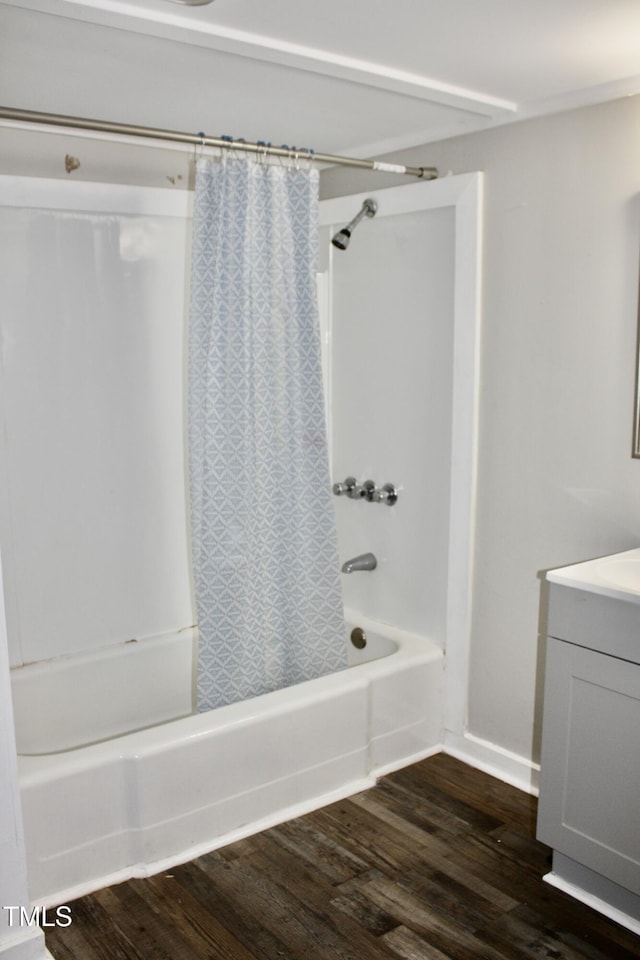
[200, 139]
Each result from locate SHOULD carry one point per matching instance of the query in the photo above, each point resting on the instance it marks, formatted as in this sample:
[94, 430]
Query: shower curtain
[265, 564]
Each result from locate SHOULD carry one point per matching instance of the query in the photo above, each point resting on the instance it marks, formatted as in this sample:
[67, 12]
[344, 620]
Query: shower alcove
[93, 518]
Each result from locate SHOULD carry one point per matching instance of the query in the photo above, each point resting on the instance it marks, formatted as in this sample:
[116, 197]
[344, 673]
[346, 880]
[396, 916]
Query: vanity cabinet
[589, 806]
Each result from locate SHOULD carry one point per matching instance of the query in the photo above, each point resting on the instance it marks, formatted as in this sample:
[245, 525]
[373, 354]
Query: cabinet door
[589, 805]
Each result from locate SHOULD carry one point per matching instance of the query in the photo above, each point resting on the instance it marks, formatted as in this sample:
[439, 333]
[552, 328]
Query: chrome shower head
[342, 237]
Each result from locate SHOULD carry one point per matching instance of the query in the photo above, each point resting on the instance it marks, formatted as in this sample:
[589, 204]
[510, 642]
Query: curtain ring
[283, 161]
[238, 152]
[197, 156]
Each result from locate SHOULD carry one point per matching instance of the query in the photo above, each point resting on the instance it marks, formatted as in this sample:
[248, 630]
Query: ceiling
[352, 77]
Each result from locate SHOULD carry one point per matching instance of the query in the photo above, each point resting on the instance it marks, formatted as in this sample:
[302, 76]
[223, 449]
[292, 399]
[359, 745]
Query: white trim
[494, 760]
[464, 193]
[590, 900]
[464, 450]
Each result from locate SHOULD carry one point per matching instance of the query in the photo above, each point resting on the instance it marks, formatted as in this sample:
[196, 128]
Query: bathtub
[101, 805]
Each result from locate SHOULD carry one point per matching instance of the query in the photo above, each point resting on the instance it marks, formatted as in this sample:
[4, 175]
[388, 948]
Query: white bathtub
[141, 802]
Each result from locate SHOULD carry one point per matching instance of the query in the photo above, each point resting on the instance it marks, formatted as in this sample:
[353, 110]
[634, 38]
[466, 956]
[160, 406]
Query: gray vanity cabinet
[589, 807]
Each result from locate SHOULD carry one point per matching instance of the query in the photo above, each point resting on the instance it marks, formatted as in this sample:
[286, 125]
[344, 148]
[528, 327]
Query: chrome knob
[340, 489]
[386, 494]
[368, 486]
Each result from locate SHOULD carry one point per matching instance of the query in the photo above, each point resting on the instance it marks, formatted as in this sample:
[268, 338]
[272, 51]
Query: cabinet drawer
[595, 621]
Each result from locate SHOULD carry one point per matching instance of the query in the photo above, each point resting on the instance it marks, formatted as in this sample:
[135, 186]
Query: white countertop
[617, 576]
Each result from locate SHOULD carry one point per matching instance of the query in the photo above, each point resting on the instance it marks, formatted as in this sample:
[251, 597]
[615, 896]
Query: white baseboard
[596, 903]
[494, 760]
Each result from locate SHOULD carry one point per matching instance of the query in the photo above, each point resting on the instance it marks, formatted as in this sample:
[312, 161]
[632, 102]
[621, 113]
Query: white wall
[392, 383]
[556, 481]
[92, 505]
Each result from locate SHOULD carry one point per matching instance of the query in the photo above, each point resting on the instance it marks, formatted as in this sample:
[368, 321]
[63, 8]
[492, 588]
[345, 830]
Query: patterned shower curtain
[265, 562]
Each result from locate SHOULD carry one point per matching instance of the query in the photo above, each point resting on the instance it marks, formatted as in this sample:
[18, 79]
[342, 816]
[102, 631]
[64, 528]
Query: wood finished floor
[437, 862]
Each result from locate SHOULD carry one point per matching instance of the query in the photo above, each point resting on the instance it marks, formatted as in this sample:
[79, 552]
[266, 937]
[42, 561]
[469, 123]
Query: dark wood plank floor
[437, 862]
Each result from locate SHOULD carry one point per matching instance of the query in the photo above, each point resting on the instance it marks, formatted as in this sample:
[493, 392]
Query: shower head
[342, 237]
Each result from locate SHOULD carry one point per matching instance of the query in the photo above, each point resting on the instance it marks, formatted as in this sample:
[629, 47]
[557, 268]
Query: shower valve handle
[387, 494]
[349, 484]
[369, 489]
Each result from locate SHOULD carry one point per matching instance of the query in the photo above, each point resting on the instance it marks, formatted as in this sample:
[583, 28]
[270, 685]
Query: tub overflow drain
[358, 638]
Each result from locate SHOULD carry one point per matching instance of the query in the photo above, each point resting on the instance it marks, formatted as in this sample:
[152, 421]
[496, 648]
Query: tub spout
[366, 561]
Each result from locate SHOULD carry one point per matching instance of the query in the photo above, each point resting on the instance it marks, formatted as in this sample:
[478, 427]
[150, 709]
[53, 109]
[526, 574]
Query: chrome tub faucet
[366, 561]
